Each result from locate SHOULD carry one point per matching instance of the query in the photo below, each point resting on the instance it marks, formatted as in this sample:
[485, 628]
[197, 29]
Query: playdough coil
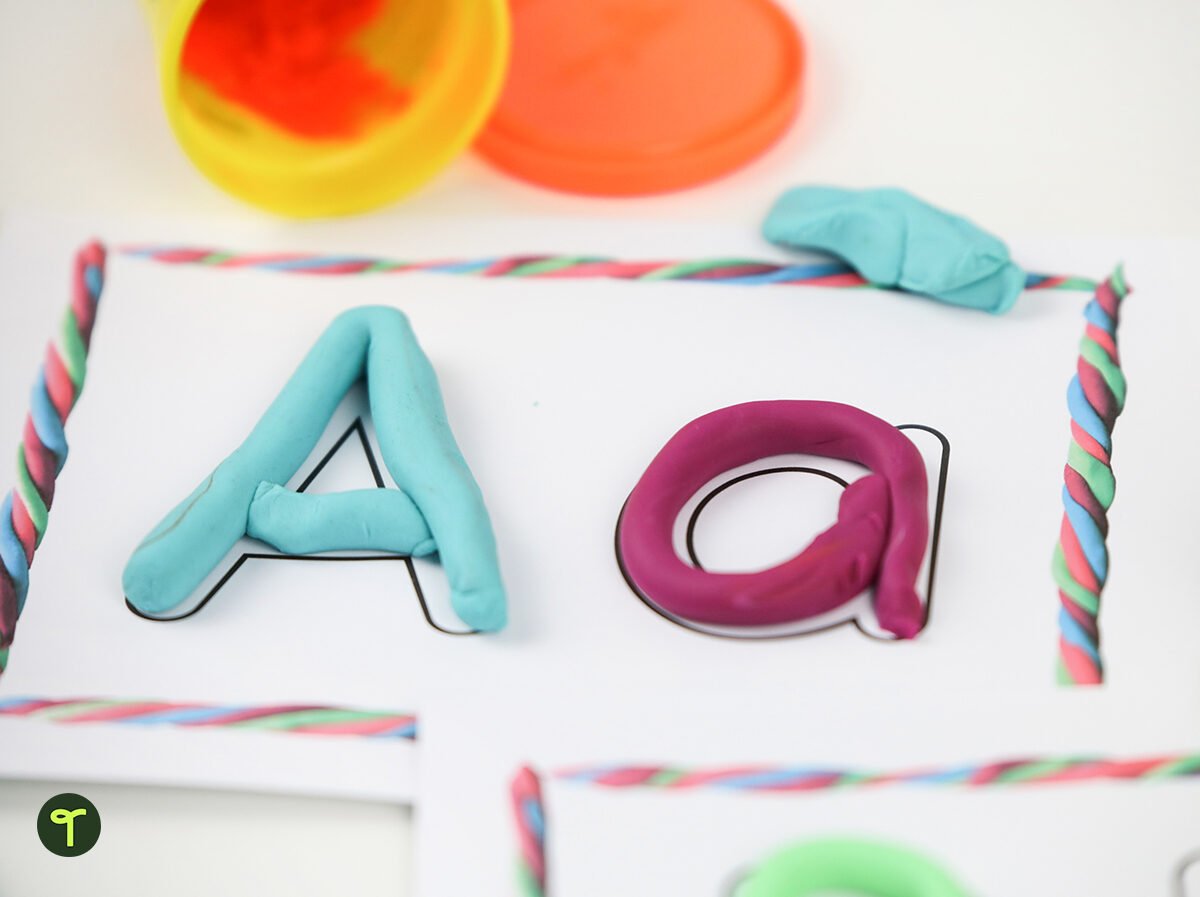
[879, 537]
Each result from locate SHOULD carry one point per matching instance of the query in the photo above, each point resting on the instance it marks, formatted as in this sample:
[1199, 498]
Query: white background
[1032, 116]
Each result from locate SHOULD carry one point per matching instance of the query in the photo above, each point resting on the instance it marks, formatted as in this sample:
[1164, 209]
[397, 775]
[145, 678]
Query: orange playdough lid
[622, 97]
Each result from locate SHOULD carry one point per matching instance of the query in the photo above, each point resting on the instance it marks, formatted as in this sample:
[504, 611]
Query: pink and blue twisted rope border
[743, 272]
[307, 719]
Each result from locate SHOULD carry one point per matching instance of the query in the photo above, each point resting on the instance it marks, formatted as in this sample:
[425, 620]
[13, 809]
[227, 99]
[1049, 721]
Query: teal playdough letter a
[438, 506]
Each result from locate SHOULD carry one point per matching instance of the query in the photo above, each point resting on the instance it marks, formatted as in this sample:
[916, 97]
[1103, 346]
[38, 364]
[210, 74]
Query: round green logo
[69, 825]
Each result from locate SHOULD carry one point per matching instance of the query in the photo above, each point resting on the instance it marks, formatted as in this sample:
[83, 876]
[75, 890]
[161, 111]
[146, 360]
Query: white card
[598, 683]
[560, 393]
[1103, 836]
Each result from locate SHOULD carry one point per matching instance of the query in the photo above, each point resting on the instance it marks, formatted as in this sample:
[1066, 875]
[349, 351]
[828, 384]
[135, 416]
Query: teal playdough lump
[894, 239]
[437, 507]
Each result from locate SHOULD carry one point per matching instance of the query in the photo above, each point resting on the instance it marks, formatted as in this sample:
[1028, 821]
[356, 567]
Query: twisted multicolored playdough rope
[43, 452]
[530, 814]
[1030, 771]
[727, 271]
[306, 719]
[1095, 398]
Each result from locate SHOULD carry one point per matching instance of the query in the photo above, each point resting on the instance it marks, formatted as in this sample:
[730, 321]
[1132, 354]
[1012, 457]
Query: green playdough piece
[848, 866]
[438, 505]
[894, 239]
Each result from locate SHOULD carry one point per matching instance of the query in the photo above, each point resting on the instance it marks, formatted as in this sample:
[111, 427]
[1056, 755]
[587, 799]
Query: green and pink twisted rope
[529, 808]
[25, 511]
[716, 270]
[1024, 771]
[1095, 397]
[303, 719]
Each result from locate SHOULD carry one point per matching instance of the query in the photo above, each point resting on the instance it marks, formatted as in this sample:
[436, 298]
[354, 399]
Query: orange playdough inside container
[293, 62]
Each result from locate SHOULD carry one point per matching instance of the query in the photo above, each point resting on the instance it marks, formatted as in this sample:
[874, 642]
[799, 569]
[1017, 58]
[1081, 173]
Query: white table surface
[1031, 116]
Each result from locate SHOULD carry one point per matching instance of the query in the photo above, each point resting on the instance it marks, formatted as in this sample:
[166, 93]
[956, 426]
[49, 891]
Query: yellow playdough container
[448, 57]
